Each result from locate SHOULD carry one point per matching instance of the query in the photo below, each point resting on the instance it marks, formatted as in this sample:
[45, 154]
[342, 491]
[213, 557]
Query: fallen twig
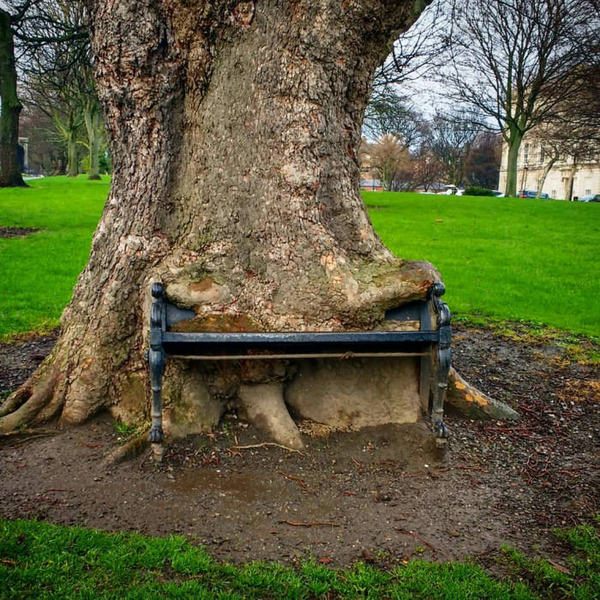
[468, 468]
[27, 439]
[30, 431]
[88, 444]
[7, 561]
[309, 523]
[55, 490]
[264, 445]
[417, 537]
[294, 478]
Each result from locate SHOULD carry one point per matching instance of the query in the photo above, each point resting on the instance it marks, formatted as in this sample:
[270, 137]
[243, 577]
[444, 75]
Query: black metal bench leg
[156, 361]
[444, 358]
[439, 392]
[157, 367]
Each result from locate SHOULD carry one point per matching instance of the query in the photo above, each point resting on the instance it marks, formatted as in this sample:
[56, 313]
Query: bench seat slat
[378, 342]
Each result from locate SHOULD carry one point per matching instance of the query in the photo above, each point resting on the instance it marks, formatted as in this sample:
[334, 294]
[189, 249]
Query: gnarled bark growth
[234, 129]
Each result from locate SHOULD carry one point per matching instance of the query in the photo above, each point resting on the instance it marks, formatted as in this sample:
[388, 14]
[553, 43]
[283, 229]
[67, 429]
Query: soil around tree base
[379, 494]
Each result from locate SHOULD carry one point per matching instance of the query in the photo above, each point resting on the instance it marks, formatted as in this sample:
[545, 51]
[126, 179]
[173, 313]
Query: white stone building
[583, 177]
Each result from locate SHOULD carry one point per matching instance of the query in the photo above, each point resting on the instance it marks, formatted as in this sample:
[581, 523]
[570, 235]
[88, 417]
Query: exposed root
[129, 450]
[15, 400]
[39, 394]
[473, 403]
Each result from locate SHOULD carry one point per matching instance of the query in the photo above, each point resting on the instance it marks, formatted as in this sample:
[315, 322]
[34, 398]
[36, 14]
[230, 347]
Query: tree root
[15, 400]
[131, 449]
[473, 403]
[31, 398]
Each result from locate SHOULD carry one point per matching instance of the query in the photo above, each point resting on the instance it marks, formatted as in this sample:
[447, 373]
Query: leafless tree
[482, 164]
[417, 52]
[29, 25]
[391, 162]
[57, 69]
[390, 114]
[449, 138]
[513, 61]
[11, 15]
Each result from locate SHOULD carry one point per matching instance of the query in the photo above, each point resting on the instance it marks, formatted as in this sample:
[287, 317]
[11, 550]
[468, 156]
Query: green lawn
[39, 271]
[38, 560]
[512, 259]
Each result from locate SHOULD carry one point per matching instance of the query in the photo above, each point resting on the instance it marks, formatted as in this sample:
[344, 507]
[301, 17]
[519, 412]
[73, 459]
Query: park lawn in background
[38, 272]
[507, 258]
[38, 560]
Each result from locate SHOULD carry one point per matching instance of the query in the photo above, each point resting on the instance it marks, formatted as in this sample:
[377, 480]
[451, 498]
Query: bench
[430, 342]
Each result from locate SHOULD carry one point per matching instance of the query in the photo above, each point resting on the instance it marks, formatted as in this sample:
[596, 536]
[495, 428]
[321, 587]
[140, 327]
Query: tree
[427, 170]
[33, 24]
[449, 140]
[506, 57]
[59, 80]
[234, 131]
[391, 162]
[482, 163]
[10, 106]
[390, 114]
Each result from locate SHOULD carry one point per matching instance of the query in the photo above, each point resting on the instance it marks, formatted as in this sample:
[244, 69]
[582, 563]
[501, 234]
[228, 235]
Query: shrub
[475, 190]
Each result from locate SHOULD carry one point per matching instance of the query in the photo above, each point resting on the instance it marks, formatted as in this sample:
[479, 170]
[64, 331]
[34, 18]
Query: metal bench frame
[431, 344]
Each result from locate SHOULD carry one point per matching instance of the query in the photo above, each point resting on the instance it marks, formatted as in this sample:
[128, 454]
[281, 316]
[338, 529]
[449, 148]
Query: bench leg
[444, 355]
[156, 361]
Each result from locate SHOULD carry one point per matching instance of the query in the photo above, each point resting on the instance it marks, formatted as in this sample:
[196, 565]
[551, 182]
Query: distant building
[565, 180]
[372, 185]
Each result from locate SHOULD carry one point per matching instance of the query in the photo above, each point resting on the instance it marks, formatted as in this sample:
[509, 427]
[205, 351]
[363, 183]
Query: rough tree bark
[234, 133]
[512, 168]
[10, 107]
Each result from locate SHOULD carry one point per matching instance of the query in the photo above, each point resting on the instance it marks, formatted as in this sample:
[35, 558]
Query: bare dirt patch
[11, 232]
[380, 494]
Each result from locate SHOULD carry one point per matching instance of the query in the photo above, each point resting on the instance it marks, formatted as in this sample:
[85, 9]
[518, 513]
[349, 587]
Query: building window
[588, 192]
[553, 194]
[526, 154]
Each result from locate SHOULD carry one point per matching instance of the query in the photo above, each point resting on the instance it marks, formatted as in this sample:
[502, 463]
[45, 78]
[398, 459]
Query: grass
[502, 259]
[508, 259]
[40, 270]
[38, 560]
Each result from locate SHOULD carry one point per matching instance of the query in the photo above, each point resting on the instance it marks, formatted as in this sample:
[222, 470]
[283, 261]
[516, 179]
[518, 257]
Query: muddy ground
[11, 232]
[380, 494]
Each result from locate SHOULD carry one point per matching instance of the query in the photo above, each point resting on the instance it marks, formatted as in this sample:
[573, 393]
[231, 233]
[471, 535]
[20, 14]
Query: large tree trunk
[71, 128]
[92, 126]
[234, 131]
[514, 144]
[10, 108]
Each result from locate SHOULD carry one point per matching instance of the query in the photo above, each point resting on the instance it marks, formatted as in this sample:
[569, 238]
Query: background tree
[234, 132]
[506, 56]
[391, 163]
[449, 139]
[11, 16]
[390, 114]
[46, 152]
[59, 79]
[482, 164]
[427, 170]
[32, 24]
